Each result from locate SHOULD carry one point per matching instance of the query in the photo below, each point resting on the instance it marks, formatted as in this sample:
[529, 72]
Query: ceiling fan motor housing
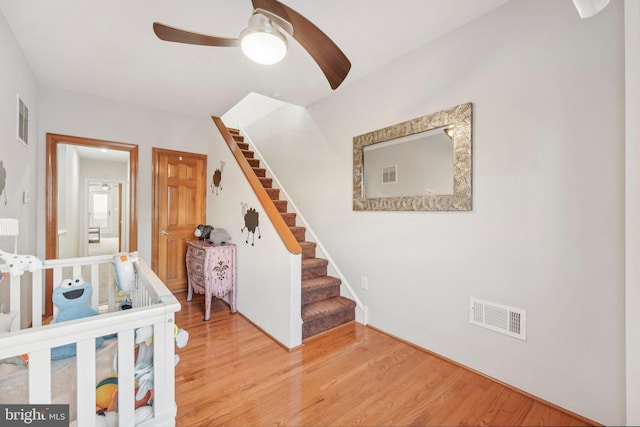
[262, 42]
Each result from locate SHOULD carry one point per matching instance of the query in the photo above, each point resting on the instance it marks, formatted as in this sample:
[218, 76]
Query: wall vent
[497, 317]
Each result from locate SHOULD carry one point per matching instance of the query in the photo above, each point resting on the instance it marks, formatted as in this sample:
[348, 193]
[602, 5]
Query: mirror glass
[413, 165]
[420, 164]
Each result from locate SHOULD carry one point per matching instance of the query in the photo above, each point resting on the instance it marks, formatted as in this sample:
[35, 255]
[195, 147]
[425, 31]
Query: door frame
[51, 221]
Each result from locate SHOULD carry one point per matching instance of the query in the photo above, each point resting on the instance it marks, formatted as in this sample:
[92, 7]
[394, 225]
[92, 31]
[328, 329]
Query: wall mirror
[423, 164]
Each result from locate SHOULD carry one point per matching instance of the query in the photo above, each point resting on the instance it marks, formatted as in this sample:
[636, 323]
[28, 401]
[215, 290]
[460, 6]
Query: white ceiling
[107, 48]
[92, 153]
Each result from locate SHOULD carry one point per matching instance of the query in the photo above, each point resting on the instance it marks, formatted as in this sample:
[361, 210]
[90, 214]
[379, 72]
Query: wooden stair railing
[268, 205]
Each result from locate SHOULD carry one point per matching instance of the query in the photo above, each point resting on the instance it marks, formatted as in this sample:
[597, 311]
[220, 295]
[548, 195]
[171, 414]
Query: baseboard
[269, 335]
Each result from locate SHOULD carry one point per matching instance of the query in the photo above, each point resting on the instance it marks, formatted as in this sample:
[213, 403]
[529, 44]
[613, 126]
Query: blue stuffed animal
[72, 298]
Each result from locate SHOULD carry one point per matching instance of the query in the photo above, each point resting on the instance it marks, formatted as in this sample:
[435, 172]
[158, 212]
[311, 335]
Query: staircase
[322, 306]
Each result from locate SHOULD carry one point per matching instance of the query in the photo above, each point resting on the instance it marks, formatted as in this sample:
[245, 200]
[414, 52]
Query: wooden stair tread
[313, 262]
[319, 283]
[326, 308]
[274, 193]
[266, 182]
[289, 218]
[281, 205]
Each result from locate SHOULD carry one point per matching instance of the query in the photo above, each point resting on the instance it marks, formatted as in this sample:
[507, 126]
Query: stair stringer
[345, 287]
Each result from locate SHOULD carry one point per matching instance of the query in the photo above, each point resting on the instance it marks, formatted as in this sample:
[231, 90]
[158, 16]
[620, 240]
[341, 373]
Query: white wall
[69, 113]
[106, 172]
[18, 160]
[69, 218]
[632, 181]
[546, 232]
[266, 295]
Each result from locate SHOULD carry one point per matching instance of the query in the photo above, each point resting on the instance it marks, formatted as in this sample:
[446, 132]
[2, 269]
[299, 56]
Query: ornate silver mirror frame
[457, 123]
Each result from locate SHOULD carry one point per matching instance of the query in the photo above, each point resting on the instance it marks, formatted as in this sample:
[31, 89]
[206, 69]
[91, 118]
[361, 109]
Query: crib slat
[14, 300]
[126, 386]
[111, 286]
[36, 292]
[95, 284]
[57, 278]
[86, 356]
[39, 374]
[77, 271]
[163, 361]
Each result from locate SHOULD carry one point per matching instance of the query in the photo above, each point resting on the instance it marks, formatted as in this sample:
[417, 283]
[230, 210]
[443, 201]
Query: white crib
[153, 304]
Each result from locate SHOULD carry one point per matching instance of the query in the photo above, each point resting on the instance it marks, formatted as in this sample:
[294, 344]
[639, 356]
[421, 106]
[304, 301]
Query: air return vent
[497, 317]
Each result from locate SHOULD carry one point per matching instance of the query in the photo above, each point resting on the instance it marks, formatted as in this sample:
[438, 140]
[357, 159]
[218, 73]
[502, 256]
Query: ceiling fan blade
[332, 61]
[171, 34]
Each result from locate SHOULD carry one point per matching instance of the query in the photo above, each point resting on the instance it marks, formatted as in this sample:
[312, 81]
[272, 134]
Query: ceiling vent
[497, 317]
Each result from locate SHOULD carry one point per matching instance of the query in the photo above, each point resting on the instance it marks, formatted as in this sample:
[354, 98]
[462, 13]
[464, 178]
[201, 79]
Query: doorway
[104, 218]
[60, 219]
[179, 205]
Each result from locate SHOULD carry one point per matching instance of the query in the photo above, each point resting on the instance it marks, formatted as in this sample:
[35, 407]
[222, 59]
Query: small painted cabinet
[211, 270]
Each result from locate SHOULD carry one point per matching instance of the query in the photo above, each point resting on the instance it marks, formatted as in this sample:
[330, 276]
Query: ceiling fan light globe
[263, 43]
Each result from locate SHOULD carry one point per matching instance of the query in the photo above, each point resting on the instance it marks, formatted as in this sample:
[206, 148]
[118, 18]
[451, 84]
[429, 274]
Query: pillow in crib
[6, 319]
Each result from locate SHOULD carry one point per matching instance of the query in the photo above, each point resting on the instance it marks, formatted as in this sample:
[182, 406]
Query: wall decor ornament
[251, 223]
[216, 179]
[456, 123]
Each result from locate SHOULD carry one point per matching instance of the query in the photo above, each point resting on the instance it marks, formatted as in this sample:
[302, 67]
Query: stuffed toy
[143, 369]
[125, 272]
[107, 388]
[72, 299]
[219, 236]
[203, 231]
[18, 264]
[6, 319]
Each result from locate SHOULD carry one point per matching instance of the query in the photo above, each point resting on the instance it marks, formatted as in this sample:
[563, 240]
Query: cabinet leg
[207, 305]
[232, 300]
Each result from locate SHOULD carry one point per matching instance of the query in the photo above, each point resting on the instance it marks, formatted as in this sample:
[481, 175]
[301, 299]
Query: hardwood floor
[232, 374]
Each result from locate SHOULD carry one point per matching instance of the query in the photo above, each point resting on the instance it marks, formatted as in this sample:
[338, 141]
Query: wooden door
[179, 188]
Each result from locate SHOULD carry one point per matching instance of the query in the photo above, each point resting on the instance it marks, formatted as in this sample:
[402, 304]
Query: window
[23, 122]
[389, 174]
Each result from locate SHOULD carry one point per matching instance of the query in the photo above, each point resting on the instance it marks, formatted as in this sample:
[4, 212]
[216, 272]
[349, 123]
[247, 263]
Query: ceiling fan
[263, 40]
